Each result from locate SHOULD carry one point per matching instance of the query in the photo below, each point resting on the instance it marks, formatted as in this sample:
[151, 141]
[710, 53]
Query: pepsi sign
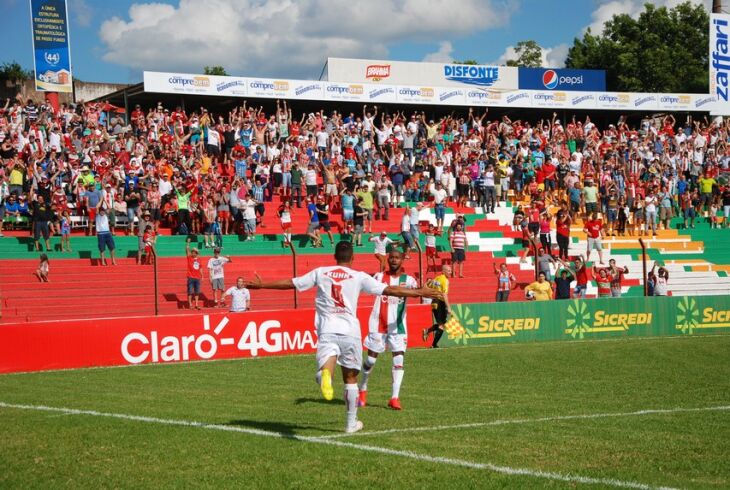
[560, 79]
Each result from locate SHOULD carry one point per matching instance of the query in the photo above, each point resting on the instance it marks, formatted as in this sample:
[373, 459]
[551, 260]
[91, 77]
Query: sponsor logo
[137, 347]
[52, 58]
[675, 99]
[580, 321]
[614, 99]
[477, 94]
[703, 101]
[306, 88]
[515, 97]
[229, 85]
[374, 94]
[377, 72]
[338, 275]
[581, 99]
[463, 326]
[720, 60]
[416, 92]
[448, 95]
[553, 97]
[550, 79]
[689, 317]
[197, 82]
[276, 86]
[472, 74]
[346, 89]
[644, 100]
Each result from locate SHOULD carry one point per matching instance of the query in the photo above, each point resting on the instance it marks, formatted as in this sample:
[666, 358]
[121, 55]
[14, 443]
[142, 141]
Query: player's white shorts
[378, 342]
[347, 349]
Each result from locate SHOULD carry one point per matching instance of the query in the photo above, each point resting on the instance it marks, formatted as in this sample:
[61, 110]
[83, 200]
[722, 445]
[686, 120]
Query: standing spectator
[381, 248]
[145, 220]
[590, 198]
[546, 232]
[540, 290]
[658, 281]
[216, 274]
[506, 281]
[562, 233]
[313, 227]
[358, 221]
[323, 215]
[4, 194]
[92, 198]
[594, 231]
[581, 278]
[384, 189]
[543, 263]
[284, 213]
[248, 206]
[617, 276]
[104, 236]
[66, 232]
[432, 255]
[405, 232]
[42, 214]
[650, 203]
[240, 297]
[439, 200]
[725, 207]
[562, 282]
[194, 275]
[149, 243]
[603, 281]
[459, 244]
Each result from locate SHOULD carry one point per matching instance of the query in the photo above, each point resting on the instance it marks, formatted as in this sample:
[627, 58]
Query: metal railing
[290, 243]
[154, 269]
[643, 266]
[420, 261]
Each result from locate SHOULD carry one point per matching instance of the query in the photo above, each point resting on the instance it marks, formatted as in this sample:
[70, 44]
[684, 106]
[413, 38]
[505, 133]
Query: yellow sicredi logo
[580, 321]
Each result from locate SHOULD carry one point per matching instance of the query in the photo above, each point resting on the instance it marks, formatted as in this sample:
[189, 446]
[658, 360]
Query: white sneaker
[355, 428]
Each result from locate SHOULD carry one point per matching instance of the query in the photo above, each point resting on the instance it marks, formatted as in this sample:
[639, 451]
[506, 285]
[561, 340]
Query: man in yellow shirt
[17, 174]
[706, 184]
[541, 289]
[440, 309]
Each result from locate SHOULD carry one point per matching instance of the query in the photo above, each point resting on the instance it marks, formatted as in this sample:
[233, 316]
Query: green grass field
[550, 415]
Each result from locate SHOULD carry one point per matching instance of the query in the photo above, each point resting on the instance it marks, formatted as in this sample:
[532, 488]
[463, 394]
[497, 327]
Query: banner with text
[380, 93]
[524, 321]
[719, 64]
[124, 341]
[51, 47]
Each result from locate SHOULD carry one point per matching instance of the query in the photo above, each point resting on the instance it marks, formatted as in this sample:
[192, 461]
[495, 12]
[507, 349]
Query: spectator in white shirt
[240, 297]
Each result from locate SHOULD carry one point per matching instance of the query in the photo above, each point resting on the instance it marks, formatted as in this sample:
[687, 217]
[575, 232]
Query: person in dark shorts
[440, 309]
[195, 275]
[323, 214]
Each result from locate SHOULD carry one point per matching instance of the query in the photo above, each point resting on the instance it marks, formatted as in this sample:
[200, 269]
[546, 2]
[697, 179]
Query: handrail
[643, 265]
[420, 261]
[534, 257]
[294, 270]
[154, 268]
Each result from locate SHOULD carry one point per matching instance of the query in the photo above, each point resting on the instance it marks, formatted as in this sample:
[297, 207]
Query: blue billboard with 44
[52, 58]
[562, 79]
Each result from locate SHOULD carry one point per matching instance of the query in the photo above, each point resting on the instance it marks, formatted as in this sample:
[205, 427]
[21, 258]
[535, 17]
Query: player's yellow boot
[325, 384]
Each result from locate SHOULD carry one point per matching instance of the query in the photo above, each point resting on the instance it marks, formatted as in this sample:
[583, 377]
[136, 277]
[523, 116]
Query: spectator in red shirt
[594, 230]
[617, 276]
[581, 278]
[195, 275]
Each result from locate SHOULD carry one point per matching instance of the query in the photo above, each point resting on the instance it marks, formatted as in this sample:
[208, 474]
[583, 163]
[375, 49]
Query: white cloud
[284, 38]
[445, 54]
[81, 11]
[607, 9]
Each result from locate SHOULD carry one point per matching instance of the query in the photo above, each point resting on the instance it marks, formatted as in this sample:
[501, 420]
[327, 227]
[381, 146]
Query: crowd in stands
[199, 172]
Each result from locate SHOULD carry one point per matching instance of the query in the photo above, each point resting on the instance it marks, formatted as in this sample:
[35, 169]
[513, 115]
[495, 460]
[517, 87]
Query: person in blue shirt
[313, 228]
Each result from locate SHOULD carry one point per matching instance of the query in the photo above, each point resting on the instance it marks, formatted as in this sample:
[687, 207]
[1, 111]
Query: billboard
[350, 70]
[719, 64]
[562, 79]
[51, 49]
[384, 93]
[82, 343]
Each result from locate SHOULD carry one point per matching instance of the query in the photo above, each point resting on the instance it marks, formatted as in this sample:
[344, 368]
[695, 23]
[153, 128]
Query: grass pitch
[269, 427]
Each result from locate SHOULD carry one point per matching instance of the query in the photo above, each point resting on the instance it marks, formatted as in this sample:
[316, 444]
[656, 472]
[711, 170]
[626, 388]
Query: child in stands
[149, 243]
[65, 227]
[43, 268]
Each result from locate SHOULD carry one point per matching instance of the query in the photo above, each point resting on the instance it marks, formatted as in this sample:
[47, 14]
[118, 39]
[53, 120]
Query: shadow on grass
[284, 428]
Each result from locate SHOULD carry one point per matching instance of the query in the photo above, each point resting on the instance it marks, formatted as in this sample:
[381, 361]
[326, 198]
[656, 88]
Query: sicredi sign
[562, 80]
[720, 64]
[348, 70]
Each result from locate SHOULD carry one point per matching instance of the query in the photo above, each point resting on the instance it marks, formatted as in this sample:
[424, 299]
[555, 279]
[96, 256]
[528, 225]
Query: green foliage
[465, 62]
[529, 55]
[12, 71]
[215, 70]
[660, 51]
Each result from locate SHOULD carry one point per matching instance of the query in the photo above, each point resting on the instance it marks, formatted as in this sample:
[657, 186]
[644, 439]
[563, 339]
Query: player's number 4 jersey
[389, 312]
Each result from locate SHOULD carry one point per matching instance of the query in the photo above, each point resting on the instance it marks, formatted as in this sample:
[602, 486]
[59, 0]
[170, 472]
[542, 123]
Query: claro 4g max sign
[142, 340]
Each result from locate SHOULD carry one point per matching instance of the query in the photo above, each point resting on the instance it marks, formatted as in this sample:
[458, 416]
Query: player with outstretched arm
[338, 329]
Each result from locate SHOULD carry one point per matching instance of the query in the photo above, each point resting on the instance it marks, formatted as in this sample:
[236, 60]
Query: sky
[116, 40]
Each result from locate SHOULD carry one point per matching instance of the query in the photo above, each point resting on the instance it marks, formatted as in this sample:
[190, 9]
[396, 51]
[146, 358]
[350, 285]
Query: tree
[13, 72]
[465, 62]
[660, 51]
[529, 55]
[215, 70]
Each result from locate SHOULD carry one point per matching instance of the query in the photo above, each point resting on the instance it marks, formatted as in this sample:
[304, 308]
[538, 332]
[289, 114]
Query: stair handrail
[290, 244]
[154, 269]
[643, 267]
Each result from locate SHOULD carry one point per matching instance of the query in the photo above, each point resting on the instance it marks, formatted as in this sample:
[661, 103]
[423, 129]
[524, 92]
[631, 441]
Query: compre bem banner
[51, 51]
[384, 93]
[587, 319]
[142, 340]
[349, 70]
[719, 64]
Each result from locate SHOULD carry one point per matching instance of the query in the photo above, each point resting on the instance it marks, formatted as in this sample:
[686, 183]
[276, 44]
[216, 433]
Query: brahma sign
[122, 341]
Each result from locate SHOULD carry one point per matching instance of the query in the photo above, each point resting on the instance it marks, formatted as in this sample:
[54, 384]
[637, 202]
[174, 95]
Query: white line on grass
[506, 470]
[529, 421]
